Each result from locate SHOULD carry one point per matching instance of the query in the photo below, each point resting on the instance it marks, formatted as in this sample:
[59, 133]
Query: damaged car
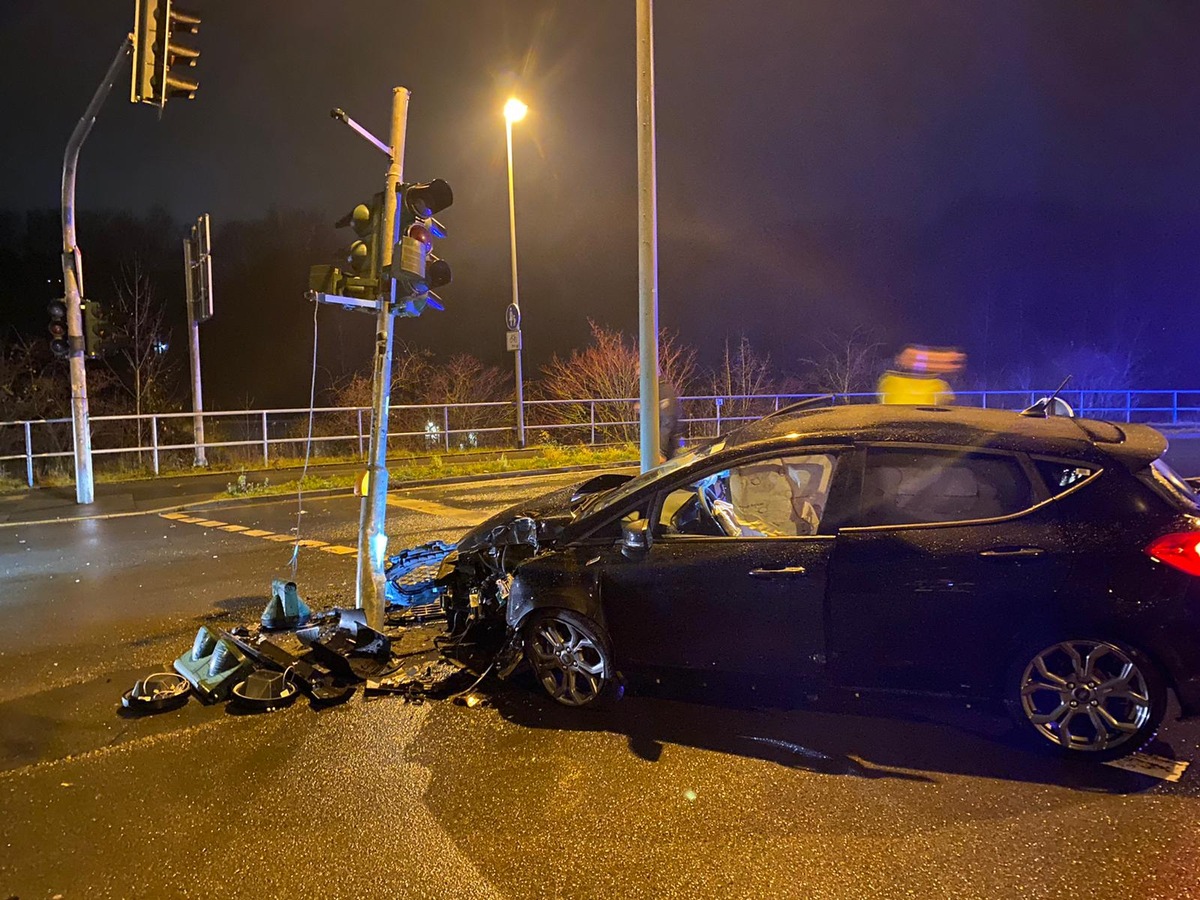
[1047, 562]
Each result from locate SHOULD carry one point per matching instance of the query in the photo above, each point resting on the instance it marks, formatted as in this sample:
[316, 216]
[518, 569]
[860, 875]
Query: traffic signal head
[159, 62]
[59, 345]
[363, 270]
[96, 331]
[416, 270]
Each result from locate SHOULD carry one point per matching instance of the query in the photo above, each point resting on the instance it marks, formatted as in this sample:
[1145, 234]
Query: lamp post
[514, 111]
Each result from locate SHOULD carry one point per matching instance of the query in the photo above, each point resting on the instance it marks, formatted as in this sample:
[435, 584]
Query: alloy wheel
[1088, 696]
[569, 662]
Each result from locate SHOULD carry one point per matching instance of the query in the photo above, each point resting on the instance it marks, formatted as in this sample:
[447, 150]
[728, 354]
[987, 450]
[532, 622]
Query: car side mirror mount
[635, 538]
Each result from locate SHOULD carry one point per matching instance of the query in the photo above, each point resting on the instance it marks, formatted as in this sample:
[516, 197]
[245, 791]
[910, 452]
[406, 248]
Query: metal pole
[265, 439]
[372, 535]
[72, 268]
[512, 235]
[28, 456]
[194, 353]
[647, 238]
[154, 441]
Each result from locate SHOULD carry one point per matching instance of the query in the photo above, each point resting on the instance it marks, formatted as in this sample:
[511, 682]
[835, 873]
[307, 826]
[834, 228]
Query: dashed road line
[324, 546]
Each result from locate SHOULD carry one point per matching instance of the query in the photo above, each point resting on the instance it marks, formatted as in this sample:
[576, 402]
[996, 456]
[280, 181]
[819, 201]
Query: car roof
[1135, 445]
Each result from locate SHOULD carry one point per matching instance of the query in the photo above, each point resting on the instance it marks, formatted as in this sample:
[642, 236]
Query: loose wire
[294, 563]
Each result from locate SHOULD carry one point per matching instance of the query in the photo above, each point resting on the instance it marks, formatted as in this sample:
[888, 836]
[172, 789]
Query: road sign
[512, 318]
[512, 339]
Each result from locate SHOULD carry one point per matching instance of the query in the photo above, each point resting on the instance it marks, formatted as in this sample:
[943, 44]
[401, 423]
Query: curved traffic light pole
[72, 268]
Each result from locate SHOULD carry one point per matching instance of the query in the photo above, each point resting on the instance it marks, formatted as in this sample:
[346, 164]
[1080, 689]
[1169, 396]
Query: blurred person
[914, 379]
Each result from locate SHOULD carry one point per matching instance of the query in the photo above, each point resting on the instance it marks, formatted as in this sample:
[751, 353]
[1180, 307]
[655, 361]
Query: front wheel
[1090, 698]
[570, 655]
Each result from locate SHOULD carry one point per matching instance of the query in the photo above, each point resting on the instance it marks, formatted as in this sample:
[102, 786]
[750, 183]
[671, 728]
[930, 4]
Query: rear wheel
[571, 657]
[1090, 698]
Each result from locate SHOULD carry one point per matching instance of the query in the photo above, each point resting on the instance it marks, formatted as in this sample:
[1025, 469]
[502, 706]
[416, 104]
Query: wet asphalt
[670, 793]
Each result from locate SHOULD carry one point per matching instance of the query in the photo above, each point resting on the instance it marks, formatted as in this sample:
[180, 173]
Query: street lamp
[514, 111]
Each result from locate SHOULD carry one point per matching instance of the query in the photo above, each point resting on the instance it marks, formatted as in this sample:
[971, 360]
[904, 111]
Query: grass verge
[548, 457]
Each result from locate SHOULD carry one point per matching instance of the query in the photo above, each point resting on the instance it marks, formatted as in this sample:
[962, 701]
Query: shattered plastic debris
[327, 655]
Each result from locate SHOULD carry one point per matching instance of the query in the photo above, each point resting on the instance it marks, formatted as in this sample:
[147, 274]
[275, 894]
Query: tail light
[1180, 550]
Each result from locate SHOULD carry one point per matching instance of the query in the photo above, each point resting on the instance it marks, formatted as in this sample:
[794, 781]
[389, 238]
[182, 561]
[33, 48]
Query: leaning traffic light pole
[72, 268]
[390, 270]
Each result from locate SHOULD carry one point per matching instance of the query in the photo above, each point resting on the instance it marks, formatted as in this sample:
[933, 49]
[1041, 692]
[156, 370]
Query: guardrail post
[717, 404]
[1129, 406]
[1174, 407]
[361, 452]
[28, 456]
[154, 442]
[264, 437]
[983, 400]
[592, 411]
[446, 425]
[776, 403]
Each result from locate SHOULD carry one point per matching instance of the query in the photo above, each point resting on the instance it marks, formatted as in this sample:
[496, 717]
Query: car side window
[1060, 476]
[781, 496]
[903, 486]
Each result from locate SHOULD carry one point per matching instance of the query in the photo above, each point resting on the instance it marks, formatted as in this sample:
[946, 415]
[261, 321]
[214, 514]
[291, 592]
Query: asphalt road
[668, 794]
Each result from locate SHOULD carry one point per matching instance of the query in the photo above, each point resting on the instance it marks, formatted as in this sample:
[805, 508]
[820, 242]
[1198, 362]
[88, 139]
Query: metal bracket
[354, 303]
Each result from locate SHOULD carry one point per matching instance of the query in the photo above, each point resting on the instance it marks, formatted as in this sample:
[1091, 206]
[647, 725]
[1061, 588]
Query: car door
[748, 598]
[934, 574]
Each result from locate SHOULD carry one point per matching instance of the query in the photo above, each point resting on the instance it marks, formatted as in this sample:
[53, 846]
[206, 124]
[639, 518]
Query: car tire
[1087, 698]
[571, 657]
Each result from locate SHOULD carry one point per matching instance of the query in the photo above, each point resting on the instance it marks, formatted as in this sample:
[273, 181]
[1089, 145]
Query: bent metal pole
[372, 534]
[72, 269]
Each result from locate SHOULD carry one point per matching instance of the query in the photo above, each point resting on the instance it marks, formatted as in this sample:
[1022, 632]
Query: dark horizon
[1011, 180]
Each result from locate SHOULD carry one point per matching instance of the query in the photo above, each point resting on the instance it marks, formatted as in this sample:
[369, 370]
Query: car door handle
[1012, 552]
[785, 572]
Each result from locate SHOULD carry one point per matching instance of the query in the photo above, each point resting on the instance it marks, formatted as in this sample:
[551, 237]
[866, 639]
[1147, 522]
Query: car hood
[535, 521]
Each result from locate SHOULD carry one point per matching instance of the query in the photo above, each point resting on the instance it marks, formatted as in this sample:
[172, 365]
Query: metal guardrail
[255, 433]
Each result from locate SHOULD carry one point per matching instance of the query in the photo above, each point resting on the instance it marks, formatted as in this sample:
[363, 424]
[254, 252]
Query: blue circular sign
[512, 317]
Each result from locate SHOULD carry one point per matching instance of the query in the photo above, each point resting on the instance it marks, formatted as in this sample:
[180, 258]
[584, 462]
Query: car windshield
[611, 498]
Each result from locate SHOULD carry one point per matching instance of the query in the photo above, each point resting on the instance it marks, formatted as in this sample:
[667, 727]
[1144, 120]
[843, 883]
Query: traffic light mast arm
[340, 115]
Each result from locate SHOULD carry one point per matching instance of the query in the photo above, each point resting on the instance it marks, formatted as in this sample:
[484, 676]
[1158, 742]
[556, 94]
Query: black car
[1052, 563]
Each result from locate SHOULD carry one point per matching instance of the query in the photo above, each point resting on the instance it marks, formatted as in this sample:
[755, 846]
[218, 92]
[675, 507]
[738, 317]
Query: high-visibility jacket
[902, 388]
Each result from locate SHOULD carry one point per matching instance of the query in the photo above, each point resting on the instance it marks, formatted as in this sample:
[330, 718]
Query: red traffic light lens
[418, 232]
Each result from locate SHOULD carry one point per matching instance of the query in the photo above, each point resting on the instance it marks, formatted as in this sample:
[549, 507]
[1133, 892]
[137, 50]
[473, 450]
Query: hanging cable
[294, 563]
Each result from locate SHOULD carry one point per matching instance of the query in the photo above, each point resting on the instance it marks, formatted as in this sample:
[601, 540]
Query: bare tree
[742, 374]
[846, 363]
[608, 370]
[464, 379]
[142, 369]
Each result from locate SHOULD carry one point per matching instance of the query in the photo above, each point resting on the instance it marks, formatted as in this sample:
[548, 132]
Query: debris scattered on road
[326, 655]
[157, 692]
[1148, 764]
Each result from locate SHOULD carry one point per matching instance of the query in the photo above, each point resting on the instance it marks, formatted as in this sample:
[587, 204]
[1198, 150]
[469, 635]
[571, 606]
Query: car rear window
[918, 487]
[1170, 485]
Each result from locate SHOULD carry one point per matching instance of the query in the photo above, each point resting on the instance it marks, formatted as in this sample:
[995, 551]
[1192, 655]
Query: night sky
[1009, 177]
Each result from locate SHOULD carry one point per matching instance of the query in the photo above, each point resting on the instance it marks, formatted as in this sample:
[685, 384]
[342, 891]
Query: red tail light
[1180, 550]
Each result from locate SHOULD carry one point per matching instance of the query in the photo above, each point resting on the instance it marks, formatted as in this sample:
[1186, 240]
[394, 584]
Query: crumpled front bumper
[412, 574]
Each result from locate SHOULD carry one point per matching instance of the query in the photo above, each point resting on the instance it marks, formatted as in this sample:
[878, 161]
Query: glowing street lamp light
[514, 111]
